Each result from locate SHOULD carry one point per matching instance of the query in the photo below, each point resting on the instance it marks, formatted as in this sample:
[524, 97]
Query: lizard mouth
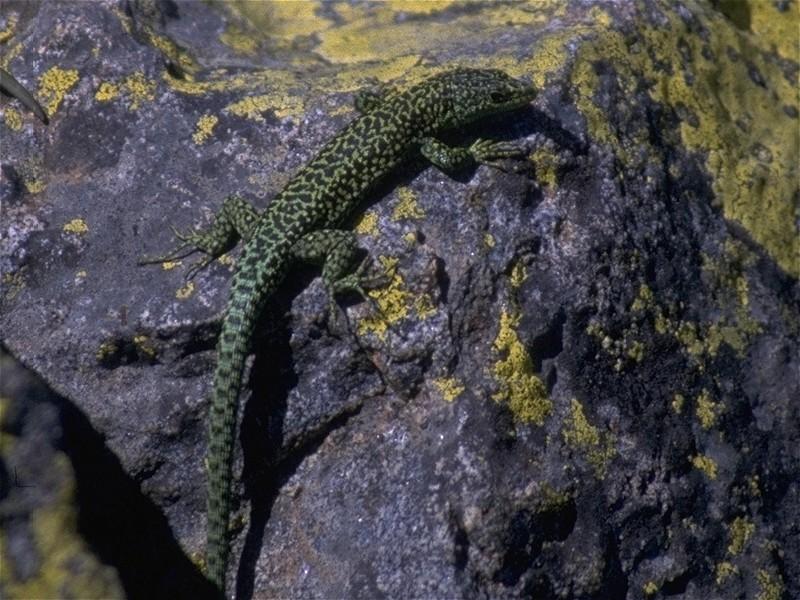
[511, 99]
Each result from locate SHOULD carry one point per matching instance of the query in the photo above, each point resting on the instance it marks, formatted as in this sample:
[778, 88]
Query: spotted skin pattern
[301, 223]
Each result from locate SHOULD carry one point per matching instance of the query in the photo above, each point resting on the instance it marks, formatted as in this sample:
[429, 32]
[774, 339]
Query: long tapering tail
[232, 351]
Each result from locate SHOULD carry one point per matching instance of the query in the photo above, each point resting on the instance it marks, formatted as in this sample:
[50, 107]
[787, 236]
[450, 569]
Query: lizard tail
[232, 351]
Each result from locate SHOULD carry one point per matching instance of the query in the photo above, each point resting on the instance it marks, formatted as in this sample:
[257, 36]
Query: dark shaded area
[121, 525]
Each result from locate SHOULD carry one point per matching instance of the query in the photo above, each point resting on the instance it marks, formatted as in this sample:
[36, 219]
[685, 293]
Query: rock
[582, 381]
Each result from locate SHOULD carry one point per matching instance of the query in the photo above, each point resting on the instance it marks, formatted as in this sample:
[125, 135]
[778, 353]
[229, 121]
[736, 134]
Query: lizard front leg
[453, 159]
[234, 221]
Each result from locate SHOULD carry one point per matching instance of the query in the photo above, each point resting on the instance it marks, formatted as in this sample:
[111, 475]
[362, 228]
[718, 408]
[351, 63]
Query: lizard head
[476, 93]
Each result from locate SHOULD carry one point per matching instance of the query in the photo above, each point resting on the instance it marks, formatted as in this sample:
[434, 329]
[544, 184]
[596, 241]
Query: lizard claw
[198, 266]
[186, 248]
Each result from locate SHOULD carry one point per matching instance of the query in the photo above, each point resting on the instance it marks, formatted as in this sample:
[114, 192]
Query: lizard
[303, 222]
[14, 88]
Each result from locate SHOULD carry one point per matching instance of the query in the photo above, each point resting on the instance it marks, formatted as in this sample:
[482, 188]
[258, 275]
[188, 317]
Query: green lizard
[301, 223]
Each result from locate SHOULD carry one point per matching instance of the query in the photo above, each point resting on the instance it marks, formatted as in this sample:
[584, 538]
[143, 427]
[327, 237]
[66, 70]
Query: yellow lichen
[677, 403]
[707, 410]
[424, 306]
[745, 129]
[34, 186]
[54, 84]
[139, 89]
[518, 386]
[12, 119]
[546, 165]
[76, 226]
[106, 92]
[705, 464]
[205, 127]
[406, 207]
[239, 40]
[8, 31]
[739, 532]
[488, 240]
[644, 299]
[581, 434]
[368, 224]
[168, 265]
[518, 274]
[252, 106]
[449, 387]
[650, 588]
[282, 22]
[771, 586]
[185, 291]
[393, 301]
[145, 346]
[227, 260]
[724, 570]
[106, 350]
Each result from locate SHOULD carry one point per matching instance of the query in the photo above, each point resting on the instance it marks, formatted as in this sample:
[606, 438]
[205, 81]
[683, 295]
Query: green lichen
[739, 532]
[579, 433]
[518, 386]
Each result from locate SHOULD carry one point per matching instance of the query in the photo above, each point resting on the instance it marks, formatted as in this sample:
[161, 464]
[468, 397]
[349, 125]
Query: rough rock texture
[582, 381]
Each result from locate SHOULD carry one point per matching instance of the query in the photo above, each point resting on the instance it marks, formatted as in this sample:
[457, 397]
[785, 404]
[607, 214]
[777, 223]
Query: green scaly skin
[301, 223]
[14, 88]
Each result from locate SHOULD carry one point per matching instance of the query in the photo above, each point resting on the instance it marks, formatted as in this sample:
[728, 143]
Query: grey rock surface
[581, 383]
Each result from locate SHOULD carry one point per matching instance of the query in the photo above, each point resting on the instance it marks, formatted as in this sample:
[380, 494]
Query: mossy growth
[518, 386]
[739, 533]
[770, 585]
[579, 433]
[707, 410]
[705, 464]
[449, 387]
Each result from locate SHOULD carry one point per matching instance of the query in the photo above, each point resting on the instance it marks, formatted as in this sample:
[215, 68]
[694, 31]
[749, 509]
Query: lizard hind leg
[234, 221]
[337, 251]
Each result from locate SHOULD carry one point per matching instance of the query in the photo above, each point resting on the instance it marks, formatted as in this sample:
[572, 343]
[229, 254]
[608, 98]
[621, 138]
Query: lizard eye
[498, 97]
